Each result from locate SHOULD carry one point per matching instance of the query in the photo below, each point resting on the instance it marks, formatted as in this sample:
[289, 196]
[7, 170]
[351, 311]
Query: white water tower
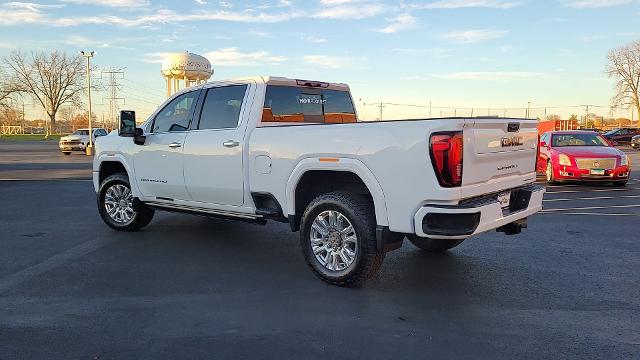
[191, 68]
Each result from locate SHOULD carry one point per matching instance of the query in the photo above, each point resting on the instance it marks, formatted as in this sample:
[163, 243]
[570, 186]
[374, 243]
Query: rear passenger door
[213, 151]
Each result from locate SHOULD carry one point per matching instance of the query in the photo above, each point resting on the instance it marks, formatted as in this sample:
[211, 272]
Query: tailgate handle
[513, 127]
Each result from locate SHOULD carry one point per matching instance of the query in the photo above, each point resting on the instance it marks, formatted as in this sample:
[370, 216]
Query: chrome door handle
[175, 145]
[230, 143]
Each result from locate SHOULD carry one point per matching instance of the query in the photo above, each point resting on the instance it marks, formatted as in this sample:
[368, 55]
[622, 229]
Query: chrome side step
[204, 211]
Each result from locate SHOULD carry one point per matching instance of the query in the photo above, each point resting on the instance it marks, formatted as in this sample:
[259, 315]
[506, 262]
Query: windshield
[611, 132]
[81, 132]
[587, 139]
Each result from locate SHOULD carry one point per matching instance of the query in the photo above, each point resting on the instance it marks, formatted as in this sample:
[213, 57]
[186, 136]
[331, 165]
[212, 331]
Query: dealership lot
[190, 287]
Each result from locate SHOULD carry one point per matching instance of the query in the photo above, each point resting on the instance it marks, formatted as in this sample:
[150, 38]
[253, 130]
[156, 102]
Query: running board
[221, 214]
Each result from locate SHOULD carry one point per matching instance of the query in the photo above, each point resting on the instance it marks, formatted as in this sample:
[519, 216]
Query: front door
[159, 162]
[213, 150]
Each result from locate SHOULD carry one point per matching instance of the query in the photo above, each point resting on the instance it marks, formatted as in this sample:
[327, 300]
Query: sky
[483, 54]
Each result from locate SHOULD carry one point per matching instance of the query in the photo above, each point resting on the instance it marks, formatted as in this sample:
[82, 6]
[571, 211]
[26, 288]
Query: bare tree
[7, 90]
[624, 66]
[53, 79]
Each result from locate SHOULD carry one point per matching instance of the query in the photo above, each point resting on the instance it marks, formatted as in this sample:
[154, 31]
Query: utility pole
[88, 55]
[382, 106]
[429, 109]
[586, 116]
[112, 90]
[528, 109]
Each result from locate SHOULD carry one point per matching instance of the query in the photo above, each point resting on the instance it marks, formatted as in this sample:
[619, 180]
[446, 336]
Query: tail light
[446, 156]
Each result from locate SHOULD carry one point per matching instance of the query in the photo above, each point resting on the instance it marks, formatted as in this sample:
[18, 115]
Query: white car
[289, 150]
[79, 140]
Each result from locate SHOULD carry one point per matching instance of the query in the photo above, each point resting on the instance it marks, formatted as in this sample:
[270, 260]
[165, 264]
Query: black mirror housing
[127, 126]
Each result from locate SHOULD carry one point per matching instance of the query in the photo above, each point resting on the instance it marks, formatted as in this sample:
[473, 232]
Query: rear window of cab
[290, 104]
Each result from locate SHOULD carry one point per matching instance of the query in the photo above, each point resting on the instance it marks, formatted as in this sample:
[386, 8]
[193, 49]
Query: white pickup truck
[268, 148]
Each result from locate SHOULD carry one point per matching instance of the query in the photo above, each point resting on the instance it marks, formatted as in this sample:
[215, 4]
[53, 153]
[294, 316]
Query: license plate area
[596, 171]
[504, 199]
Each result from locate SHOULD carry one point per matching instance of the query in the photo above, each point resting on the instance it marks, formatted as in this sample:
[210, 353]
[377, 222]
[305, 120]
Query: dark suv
[621, 136]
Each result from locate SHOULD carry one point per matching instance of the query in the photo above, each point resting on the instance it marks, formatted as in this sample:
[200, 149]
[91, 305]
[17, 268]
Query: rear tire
[116, 205]
[338, 238]
[66, 152]
[433, 245]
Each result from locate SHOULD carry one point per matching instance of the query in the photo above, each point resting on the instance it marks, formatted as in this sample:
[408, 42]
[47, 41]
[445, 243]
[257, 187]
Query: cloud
[342, 10]
[329, 62]
[398, 23]
[165, 16]
[260, 34]
[592, 4]
[438, 53]
[474, 36]
[155, 58]
[500, 76]
[233, 57]
[313, 39]
[22, 12]
[457, 4]
[111, 3]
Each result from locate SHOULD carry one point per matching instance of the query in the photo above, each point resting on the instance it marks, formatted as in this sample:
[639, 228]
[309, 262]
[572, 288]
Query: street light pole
[88, 55]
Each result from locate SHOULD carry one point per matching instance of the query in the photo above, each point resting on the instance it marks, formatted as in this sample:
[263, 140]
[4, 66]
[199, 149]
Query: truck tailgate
[498, 154]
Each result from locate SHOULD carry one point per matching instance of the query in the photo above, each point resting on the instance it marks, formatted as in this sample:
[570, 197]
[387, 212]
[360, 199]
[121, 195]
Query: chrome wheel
[549, 171]
[118, 202]
[333, 240]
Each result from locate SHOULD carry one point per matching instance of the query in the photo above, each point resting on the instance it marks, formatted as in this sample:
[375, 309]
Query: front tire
[549, 173]
[338, 238]
[66, 152]
[433, 245]
[116, 205]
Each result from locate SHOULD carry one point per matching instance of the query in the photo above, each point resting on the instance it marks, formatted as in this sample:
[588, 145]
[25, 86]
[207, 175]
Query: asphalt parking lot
[190, 287]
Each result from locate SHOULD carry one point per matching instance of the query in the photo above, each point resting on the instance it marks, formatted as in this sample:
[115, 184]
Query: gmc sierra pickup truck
[269, 148]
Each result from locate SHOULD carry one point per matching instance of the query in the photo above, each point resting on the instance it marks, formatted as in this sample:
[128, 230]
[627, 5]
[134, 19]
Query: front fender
[114, 157]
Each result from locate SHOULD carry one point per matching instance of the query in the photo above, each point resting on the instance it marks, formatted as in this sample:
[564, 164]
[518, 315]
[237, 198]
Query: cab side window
[176, 116]
[221, 108]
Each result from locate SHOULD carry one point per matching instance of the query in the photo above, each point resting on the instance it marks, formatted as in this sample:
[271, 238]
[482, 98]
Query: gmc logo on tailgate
[512, 141]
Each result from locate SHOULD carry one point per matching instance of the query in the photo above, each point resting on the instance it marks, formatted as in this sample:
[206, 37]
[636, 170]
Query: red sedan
[581, 155]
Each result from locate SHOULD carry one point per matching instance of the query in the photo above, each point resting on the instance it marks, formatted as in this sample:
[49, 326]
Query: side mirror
[127, 124]
[127, 127]
[543, 144]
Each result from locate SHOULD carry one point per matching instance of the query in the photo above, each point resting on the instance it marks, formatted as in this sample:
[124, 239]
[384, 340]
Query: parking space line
[590, 190]
[51, 263]
[594, 208]
[595, 198]
[594, 214]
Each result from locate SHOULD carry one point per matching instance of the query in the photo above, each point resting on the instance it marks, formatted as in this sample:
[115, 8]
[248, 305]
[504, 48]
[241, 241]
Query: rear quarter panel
[396, 154]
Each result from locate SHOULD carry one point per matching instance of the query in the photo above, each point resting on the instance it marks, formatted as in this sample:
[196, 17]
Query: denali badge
[512, 141]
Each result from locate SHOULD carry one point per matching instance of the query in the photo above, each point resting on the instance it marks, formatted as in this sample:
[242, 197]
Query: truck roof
[283, 81]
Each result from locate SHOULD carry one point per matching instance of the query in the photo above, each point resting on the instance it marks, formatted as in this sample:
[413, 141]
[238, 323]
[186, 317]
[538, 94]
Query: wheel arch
[338, 167]
[108, 165]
